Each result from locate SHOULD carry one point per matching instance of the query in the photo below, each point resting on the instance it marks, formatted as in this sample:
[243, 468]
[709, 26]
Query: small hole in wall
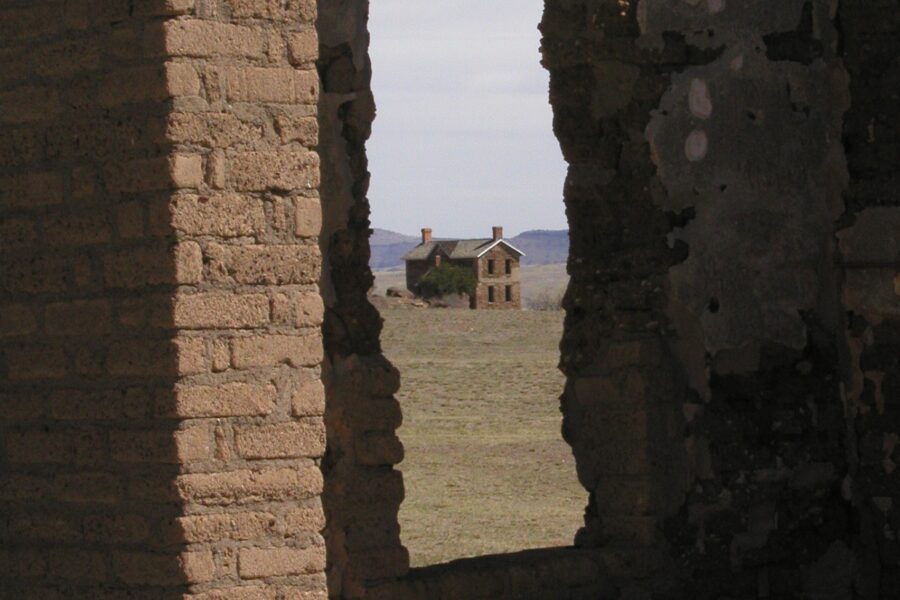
[680, 252]
[682, 218]
[801, 108]
[723, 187]
[751, 115]
[713, 305]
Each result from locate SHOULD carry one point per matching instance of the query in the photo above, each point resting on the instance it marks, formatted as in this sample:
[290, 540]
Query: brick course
[152, 160]
[256, 563]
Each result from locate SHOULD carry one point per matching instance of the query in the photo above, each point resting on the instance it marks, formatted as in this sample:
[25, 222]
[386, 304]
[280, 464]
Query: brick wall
[88, 351]
[255, 311]
[161, 405]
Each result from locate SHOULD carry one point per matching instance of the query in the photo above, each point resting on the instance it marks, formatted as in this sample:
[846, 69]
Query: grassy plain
[486, 470]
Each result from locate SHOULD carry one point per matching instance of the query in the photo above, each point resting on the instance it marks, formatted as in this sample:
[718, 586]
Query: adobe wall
[732, 316]
[160, 398]
[363, 490]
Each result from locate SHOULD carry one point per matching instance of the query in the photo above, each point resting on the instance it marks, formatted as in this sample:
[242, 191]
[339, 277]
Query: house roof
[458, 249]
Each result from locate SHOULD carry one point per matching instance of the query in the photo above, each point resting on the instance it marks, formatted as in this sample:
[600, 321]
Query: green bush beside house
[447, 280]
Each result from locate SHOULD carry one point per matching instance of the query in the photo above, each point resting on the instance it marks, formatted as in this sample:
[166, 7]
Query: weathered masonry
[193, 401]
[494, 262]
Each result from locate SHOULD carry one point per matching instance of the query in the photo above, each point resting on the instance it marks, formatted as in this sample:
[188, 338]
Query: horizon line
[455, 237]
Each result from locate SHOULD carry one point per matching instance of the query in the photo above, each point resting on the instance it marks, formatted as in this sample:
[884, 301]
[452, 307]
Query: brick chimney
[426, 235]
[498, 233]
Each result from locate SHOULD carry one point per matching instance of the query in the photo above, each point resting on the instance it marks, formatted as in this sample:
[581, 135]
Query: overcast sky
[463, 136]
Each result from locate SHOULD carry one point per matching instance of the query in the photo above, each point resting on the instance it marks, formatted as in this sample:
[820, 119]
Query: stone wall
[499, 280]
[161, 405]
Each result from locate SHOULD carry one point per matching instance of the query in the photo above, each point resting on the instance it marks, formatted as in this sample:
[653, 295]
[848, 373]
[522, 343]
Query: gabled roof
[458, 249]
[497, 243]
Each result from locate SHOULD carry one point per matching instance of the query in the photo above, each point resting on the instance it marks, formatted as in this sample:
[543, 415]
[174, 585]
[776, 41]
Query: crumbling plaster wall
[869, 244]
[711, 376]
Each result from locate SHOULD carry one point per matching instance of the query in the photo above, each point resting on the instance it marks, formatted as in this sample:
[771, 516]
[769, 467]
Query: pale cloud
[463, 138]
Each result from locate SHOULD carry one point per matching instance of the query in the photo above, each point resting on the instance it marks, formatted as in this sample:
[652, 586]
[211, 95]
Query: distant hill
[388, 248]
[541, 247]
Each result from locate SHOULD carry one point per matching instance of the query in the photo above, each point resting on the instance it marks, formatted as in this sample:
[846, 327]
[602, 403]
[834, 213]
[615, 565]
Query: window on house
[508, 266]
[491, 293]
[490, 267]
[509, 293]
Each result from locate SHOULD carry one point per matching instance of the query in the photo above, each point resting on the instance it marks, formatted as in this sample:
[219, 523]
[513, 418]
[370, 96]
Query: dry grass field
[486, 470]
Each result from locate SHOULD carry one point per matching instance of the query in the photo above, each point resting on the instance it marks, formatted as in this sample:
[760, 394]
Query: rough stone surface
[730, 222]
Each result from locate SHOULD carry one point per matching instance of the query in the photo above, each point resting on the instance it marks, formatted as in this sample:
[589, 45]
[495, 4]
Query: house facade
[495, 263]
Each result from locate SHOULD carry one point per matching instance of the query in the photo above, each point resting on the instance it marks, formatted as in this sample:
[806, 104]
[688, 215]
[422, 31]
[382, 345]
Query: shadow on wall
[149, 351]
[545, 574]
[92, 420]
[363, 491]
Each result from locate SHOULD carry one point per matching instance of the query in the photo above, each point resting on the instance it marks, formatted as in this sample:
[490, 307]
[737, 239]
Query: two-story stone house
[494, 261]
